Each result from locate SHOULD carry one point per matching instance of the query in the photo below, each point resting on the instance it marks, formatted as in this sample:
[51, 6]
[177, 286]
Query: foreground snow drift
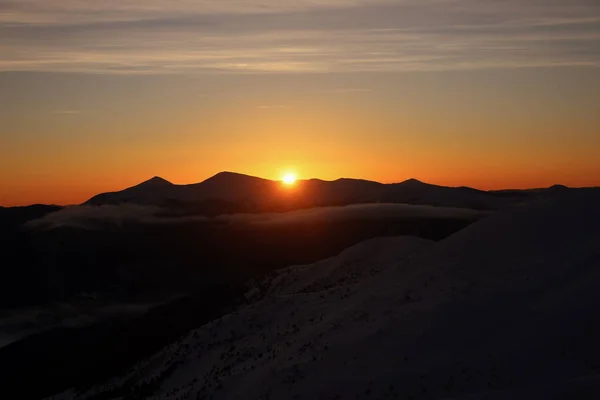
[506, 308]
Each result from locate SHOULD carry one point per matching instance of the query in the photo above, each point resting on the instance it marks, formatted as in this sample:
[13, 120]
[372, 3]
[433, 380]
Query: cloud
[86, 11]
[301, 36]
[358, 211]
[98, 217]
[67, 112]
[92, 217]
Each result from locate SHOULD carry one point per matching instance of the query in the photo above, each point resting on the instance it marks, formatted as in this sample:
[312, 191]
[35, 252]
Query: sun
[289, 178]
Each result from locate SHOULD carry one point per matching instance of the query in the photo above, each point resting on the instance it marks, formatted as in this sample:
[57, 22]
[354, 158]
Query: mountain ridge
[271, 195]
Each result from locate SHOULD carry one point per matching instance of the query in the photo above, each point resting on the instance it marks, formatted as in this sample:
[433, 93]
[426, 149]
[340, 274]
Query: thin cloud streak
[67, 112]
[257, 36]
[43, 12]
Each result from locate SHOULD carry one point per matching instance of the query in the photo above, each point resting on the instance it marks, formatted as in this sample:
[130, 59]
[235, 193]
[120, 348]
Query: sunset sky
[100, 95]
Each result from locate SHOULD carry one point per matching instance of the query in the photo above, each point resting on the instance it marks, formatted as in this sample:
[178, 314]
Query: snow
[506, 308]
[351, 266]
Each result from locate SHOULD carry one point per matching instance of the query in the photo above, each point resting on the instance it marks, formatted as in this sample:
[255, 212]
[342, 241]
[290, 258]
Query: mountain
[414, 191]
[72, 293]
[229, 186]
[152, 191]
[505, 309]
[250, 193]
[13, 217]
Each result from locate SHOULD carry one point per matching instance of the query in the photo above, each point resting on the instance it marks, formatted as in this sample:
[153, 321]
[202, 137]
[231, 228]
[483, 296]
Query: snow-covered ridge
[506, 307]
[349, 267]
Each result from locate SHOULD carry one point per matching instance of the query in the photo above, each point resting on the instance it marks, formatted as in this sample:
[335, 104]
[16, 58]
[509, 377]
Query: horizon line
[299, 180]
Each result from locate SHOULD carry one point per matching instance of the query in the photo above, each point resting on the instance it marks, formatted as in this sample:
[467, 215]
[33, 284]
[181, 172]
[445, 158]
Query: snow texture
[506, 308]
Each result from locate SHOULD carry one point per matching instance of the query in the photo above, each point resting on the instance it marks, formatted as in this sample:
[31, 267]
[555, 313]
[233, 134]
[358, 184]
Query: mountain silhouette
[229, 186]
[157, 181]
[250, 193]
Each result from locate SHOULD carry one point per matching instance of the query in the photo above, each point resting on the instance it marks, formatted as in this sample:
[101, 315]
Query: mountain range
[233, 192]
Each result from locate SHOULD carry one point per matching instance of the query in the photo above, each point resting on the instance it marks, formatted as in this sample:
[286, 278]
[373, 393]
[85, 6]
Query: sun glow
[289, 178]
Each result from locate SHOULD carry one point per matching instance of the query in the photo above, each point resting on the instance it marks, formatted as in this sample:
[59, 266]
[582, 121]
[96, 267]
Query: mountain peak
[228, 173]
[558, 187]
[156, 181]
[413, 181]
[227, 176]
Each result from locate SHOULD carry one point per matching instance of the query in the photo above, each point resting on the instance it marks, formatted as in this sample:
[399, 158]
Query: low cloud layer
[96, 217]
[281, 36]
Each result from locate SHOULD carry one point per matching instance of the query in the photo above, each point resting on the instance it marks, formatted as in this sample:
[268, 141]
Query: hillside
[504, 308]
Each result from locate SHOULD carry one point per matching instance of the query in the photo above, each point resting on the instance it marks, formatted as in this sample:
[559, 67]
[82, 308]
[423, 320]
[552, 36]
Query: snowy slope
[506, 308]
[352, 265]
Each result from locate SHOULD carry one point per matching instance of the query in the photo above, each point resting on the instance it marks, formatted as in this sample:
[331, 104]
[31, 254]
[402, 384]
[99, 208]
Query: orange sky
[99, 96]
[79, 172]
[396, 131]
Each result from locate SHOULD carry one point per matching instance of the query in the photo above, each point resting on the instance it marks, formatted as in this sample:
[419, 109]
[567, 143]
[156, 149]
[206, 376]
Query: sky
[98, 96]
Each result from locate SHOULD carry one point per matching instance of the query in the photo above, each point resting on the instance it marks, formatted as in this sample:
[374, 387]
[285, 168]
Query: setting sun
[289, 179]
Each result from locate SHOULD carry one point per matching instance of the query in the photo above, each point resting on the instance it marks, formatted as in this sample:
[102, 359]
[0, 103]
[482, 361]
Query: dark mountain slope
[505, 307]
